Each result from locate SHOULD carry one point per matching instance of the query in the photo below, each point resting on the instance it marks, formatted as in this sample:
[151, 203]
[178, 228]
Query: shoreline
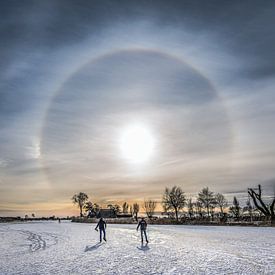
[172, 222]
[151, 222]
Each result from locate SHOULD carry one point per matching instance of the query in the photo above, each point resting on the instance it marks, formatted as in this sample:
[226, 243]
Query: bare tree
[173, 200]
[92, 209]
[190, 206]
[221, 202]
[267, 209]
[249, 209]
[80, 199]
[97, 207]
[110, 206]
[89, 207]
[125, 207]
[198, 207]
[235, 208]
[207, 199]
[212, 211]
[117, 209]
[149, 207]
[136, 210]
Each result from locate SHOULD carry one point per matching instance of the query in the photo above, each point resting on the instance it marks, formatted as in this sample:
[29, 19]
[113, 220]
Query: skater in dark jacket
[143, 226]
[102, 229]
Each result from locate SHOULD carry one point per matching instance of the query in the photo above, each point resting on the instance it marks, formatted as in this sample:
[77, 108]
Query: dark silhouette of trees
[267, 209]
[173, 200]
[80, 199]
[136, 210]
[235, 208]
[149, 207]
[221, 202]
[207, 199]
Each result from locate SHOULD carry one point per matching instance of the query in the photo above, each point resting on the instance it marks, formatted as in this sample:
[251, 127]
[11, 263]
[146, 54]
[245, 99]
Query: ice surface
[73, 248]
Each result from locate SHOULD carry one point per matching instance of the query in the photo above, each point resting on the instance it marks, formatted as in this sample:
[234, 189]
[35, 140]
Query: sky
[119, 99]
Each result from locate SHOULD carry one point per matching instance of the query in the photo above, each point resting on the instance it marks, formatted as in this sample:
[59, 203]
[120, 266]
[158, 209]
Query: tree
[114, 207]
[125, 207]
[221, 202]
[110, 206]
[198, 207]
[136, 210]
[117, 209]
[207, 199]
[235, 208]
[249, 209]
[190, 206]
[91, 208]
[212, 211]
[80, 199]
[173, 200]
[267, 209]
[96, 207]
[149, 207]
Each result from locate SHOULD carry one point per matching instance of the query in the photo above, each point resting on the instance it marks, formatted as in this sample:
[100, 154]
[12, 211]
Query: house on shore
[108, 213]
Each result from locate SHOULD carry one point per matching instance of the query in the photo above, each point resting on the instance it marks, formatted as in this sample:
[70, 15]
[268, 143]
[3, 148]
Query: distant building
[106, 213]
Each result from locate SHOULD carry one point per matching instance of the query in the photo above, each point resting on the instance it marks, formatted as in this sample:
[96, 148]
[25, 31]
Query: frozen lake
[72, 248]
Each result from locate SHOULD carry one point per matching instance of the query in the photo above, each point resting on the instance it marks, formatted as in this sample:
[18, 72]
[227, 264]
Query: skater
[102, 228]
[143, 226]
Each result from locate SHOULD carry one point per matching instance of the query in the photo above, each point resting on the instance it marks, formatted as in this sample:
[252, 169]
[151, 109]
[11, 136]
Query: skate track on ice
[72, 248]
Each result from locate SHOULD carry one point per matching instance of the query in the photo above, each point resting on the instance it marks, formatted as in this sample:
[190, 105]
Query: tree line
[207, 205]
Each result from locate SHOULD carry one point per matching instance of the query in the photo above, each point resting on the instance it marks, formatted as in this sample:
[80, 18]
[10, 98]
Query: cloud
[202, 79]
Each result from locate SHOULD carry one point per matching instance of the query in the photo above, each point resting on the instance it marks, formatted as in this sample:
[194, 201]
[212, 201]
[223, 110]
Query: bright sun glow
[137, 144]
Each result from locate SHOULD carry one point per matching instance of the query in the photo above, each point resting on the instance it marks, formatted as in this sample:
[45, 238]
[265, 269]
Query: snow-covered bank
[72, 248]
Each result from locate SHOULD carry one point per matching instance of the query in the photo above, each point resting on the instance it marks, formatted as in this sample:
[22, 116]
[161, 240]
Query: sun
[137, 143]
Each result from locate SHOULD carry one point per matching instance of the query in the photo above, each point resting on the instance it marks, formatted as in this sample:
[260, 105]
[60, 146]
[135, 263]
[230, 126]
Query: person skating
[102, 229]
[143, 226]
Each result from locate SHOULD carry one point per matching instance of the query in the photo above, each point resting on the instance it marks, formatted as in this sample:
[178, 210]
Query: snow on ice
[72, 248]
